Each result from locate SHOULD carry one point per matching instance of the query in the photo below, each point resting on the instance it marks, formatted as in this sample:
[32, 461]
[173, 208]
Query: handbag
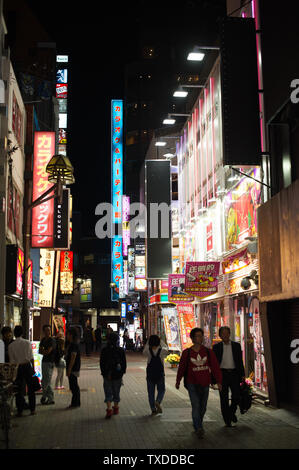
[36, 386]
[245, 398]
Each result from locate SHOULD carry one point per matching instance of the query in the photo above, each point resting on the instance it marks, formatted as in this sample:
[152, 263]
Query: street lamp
[61, 172]
[180, 93]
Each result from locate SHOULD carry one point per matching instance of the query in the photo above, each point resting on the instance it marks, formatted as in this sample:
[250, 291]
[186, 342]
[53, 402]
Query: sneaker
[154, 412]
[115, 410]
[57, 388]
[109, 413]
[62, 388]
[158, 407]
[50, 402]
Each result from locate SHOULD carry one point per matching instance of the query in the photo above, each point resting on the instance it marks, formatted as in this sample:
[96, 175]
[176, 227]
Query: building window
[148, 52]
[88, 259]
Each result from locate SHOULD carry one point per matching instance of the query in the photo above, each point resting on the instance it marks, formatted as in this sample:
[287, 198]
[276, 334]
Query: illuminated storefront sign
[61, 76]
[42, 215]
[123, 310]
[62, 138]
[66, 272]
[86, 291]
[131, 269]
[46, 277]
[126, 226]
[202, 278]
[235, 262]
[117, 192]
[62, 58]
[140, 284]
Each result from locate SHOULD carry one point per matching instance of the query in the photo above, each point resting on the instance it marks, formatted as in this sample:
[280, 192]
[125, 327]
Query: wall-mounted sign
[126, 225]
[131, 269]
[235, 262]
[176, 289]
[62, 222]
[172, 331]
[202, 278]
[62, 120]
[66, 272]
[86, 291]
[123, 310]
[209, 230]
[61, 90]
[46, 277]
[42, 215]
[140, 284]
[61, 76]
[62, 58]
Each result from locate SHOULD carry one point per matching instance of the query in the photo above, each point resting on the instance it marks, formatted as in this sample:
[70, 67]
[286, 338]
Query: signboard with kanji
[202, 278]
[42, 215]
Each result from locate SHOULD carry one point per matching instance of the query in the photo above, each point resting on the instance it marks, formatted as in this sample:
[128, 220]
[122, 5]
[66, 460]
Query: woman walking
[156, 351]
[113, 366]
[73, 364]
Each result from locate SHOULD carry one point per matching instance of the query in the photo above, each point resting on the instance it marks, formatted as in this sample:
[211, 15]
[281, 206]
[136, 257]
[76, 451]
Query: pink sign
[125, 221]
[176, 289]
[20, 267]
[202, 278]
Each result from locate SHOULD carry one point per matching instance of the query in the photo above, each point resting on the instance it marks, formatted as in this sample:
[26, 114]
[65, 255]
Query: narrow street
[54, 427]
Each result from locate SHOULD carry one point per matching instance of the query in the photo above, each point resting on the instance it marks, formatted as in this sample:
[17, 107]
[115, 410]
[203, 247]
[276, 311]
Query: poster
[37, 359]
[241, 210]
[176, 289]
[187, 323]
[202, 278]
[171, 325]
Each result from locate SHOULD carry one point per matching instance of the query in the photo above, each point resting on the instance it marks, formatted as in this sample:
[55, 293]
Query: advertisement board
[186, 322]
[131, 269]
[176, 289]
[86, 291]
[42, 215]
[172, 330]
[202, 278]
[37, 359]
[61, 90]
[62, 222]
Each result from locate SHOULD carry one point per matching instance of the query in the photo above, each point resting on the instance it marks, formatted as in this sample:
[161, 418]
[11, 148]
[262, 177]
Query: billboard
[42, 215]
[158, 242]
[172, 330]
[187, 323]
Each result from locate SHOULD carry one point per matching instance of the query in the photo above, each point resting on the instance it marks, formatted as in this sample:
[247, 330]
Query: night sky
[100, 40]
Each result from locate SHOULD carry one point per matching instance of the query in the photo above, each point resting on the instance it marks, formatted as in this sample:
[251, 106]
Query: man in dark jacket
[229, 356]
[113, 366]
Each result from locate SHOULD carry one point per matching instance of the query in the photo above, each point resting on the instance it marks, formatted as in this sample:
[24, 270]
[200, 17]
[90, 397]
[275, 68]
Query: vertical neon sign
[117, 193]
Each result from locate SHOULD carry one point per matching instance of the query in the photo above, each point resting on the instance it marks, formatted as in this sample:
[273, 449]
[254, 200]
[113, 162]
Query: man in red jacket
[196, 365]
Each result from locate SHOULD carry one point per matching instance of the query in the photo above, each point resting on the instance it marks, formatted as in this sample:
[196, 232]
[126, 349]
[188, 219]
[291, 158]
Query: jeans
[111, 390]
[74, 387]
[230, 380]
[199, 404]
[59, 377]
[151, 392]
[47, 372]
[24, 377]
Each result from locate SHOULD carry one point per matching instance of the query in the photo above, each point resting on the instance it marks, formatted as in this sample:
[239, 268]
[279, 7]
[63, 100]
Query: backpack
[155, 369]
[114, 363]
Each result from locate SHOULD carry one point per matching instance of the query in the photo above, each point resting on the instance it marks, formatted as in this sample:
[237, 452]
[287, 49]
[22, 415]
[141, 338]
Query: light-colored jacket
[163, 354]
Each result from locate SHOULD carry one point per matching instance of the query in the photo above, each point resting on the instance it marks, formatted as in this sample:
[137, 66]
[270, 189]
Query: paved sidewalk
[54, 427]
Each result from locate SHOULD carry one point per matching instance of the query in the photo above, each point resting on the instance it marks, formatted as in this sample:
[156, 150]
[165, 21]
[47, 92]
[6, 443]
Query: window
[148, 52]
[88, 259]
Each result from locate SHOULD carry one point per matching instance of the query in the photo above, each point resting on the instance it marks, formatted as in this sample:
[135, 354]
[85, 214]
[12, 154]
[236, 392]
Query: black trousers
[88, 348]
[24, 377]
[74, 387]
[230, 380]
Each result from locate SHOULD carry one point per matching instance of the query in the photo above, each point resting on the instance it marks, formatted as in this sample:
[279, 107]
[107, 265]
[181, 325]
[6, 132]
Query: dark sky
[100, 38]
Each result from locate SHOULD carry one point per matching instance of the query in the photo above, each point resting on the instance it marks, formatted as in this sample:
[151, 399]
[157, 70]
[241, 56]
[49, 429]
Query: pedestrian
[7, 337]
[59, 359]
[88, 339]
[47, 349]
[20, 352]
[113, 366]
[126, 339]
[73, 365]
[98, 336]
[196, 365]
[229, 356]
[109, 330]
[156, 351]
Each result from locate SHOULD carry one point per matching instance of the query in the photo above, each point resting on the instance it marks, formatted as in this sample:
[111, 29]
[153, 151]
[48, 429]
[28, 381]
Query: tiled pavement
[54, 427]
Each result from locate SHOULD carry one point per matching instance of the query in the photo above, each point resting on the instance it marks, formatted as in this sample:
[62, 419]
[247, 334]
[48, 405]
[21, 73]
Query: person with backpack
[113, 366]
[59, 360]
[196, 365]
[156, 351]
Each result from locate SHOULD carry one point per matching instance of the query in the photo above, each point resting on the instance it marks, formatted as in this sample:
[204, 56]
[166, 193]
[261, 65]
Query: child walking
[156, 351]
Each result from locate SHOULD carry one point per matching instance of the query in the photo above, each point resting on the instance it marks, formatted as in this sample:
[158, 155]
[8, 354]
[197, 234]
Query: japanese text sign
[176, 289]
[42, 215]
[202, 278]
[66, 272]
[117, 261]
[187, 323]
[117, 159]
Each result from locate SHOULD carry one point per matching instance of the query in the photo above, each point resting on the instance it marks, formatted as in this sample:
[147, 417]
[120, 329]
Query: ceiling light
[195, 56]
[168, 155]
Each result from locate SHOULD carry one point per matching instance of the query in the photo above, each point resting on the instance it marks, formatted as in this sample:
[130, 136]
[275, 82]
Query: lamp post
[60, 172]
